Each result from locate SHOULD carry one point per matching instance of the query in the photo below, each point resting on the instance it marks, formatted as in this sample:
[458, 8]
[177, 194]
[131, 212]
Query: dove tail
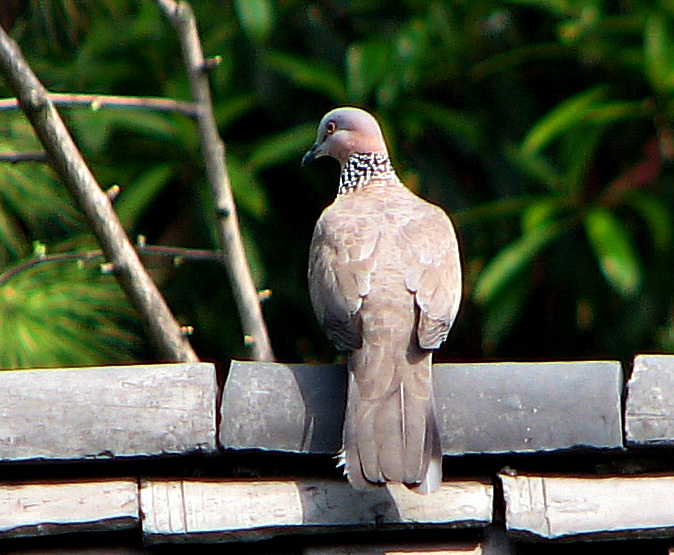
[390, 432]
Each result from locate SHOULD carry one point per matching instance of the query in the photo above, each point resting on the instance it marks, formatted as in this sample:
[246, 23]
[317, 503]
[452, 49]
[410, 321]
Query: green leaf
[503, 310]
[564, 116]
[614, 111]
[253, 255]
[577, 151]
[366, 66]
[11, 237]
[517, 56]
[33, 203]
[282, 147]
[536, 166]
[657, 216]
[248, 192]
[138, 195]
[30, 196]
[510, 261]
[576, 29]
[460, 125]
[558, 8]
[494, 210]
[614, 249]
[309, 75]
[231, 108]
[539, 213]
[93, 131]
[256, 18]
[659, 53]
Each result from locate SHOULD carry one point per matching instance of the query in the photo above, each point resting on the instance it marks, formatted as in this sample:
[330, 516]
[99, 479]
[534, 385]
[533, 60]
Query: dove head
[344, 132]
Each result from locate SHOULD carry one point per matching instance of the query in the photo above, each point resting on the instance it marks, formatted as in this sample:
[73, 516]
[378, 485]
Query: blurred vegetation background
[543, 126]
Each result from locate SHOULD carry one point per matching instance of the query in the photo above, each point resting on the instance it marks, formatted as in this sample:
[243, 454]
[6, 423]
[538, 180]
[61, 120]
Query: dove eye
[330, 127]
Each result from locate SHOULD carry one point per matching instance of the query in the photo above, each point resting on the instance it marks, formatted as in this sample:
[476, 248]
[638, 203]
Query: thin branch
[180, 252]
[234, 257]
[87, 256]
[97, 101]
[41, 259]
[153, 312]
[17, 157]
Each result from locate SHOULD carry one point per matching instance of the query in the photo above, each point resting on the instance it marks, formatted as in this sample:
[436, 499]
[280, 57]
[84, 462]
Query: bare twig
[248, 303]
[87, 256]
[180, 252]
[16, 157]
[27, 263]
[154, 314]
[96, 101]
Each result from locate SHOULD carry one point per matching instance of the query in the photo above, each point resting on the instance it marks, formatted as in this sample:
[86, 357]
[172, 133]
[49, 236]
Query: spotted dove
[385, 284]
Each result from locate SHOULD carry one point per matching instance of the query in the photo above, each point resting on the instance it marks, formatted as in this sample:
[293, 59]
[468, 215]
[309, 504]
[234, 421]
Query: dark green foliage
[64, 315]
[544, 126]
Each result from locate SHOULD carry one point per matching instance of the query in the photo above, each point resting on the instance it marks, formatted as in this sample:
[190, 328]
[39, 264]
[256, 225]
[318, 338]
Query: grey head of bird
[346, 131]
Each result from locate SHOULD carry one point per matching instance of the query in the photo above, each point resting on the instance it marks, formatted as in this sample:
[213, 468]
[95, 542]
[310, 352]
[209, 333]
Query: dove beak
[311, 155]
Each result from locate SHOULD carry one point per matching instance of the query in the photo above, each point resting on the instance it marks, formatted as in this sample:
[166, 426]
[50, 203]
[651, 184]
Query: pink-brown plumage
[385, 283]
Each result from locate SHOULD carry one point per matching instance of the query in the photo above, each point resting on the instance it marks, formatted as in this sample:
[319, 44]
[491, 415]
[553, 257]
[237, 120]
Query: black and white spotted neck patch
[361, 168]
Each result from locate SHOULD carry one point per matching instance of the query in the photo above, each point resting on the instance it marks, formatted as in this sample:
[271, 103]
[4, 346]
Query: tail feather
[392, 436]
[387, 418]
[433, 475]
[355, 465]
